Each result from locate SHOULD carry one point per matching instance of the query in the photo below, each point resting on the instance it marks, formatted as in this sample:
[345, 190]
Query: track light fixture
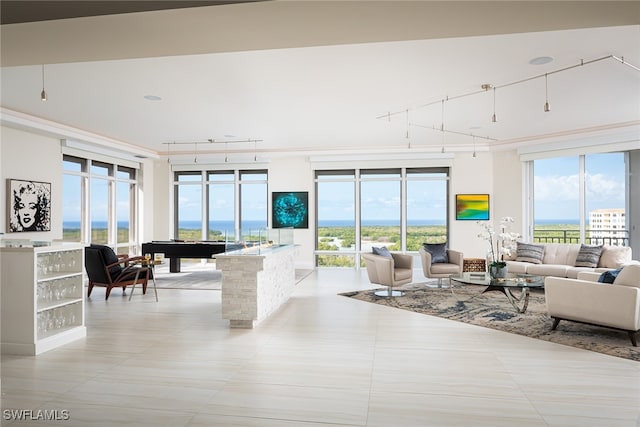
[43, 94]
[208, 143]
[474, 146]
[493, 118]
[546, 95]
[255, 151]
[407, 134]
[486, 86]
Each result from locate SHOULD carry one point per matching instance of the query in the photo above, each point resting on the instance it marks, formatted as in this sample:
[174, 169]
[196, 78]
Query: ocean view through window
[99, 203]
[581, 199]
[399, 208]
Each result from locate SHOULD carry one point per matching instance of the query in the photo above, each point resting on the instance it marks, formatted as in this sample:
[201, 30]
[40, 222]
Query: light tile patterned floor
[321, 360]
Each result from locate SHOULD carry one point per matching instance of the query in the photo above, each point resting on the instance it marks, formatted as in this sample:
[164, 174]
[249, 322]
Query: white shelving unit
[42, 296]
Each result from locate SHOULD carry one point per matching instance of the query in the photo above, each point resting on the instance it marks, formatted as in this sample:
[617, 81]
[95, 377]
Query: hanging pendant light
[407, 134]
[43, 94]
[493, 118]
[547, 108]
[474, 146]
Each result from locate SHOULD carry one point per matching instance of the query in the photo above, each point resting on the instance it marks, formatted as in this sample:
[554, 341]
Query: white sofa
[559, 260]
[585, 300]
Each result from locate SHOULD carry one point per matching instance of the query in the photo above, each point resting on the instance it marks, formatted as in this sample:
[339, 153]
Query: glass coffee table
[506, 285]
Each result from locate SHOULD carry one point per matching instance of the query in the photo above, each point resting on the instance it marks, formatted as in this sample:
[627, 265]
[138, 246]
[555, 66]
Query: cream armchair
[441, 270]
[391, 271]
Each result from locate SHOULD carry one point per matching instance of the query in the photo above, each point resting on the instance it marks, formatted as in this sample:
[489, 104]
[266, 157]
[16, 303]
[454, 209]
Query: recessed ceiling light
[152, 98]
[541, 60]
[228, 135]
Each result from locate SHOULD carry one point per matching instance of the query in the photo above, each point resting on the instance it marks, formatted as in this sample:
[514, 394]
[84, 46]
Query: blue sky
[557, 183]
[556, 193]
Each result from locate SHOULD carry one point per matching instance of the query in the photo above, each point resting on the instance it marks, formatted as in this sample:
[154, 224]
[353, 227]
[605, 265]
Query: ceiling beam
[291, 24]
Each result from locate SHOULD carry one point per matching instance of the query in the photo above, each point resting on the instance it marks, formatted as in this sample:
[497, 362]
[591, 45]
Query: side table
[151, 263]
[474, 265]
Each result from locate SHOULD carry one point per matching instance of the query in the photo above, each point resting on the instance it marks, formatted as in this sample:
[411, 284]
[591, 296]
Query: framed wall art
[472, 207]
[28, 205]
[290, 209]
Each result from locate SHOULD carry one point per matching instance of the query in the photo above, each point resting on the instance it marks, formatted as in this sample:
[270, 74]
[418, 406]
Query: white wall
[295, 174]
[160, 209]
[31, 157]
[470, 175]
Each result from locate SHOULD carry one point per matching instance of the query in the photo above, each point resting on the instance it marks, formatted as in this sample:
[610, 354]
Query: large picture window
[399, 208]
[581, 199]
[225, 205]
[99, 203]
[222, 202]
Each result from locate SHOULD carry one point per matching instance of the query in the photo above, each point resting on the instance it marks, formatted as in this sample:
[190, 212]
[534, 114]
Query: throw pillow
[588, 256]
[614, 256]
[527, 252]
[629, 276]
[609, 276]
[382, 251]
[438, 252]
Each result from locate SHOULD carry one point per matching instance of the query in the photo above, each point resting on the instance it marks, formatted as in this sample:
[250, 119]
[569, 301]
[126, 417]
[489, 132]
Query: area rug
[467, 303]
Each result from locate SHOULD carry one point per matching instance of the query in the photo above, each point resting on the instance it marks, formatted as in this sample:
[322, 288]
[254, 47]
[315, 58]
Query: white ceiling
[314, 98]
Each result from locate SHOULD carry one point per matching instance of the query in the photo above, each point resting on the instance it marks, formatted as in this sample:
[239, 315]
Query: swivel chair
[392, 271]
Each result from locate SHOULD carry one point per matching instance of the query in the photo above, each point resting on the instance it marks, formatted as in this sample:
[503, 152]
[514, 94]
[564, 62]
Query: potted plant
[500, 244]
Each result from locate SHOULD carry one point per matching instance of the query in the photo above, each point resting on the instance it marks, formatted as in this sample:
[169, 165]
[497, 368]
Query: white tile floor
[320, 360]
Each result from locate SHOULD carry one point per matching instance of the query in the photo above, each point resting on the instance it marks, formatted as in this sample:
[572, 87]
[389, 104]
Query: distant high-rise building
[608, 226]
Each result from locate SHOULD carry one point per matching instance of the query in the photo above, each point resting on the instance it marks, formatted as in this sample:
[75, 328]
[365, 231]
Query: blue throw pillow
[382, 251]
[609, 276]
[438, 252]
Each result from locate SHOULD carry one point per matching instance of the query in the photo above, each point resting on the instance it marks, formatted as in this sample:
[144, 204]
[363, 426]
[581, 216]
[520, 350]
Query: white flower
[504, 241]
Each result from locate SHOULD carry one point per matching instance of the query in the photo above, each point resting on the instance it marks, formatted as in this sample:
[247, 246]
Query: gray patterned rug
[467, 304]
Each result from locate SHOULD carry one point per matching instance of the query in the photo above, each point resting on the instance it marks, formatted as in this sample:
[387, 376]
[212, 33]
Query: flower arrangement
[500, 244]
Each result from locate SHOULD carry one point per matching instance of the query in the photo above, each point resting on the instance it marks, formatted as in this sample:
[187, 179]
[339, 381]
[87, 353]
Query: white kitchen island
[255, 283]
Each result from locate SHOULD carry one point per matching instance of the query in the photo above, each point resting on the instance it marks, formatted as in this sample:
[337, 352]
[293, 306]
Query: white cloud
[556, 188]
[603, 188]
[564, 188]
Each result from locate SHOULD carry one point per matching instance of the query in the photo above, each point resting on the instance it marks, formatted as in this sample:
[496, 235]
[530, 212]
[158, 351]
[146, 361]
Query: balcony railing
[615, 237]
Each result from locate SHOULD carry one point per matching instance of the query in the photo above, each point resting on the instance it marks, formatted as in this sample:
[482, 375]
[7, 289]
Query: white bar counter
[255, 283]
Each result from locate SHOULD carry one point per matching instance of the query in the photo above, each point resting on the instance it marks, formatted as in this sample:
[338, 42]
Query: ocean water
[248, 225]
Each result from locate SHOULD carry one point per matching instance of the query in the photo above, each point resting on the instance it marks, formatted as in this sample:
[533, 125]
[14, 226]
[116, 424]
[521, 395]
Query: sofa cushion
[561, 253]
[614, 256]
[517, 266]
[438, 252]
[629, 276]
[588, 256]
[609, 276]
[527, 252]
[572, 272]
[557, 270]
[382, 251]
[402, 274]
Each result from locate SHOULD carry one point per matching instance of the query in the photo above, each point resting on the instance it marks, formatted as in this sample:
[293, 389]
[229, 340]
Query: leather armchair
[105, 268]
[441, 270]
[391, 271]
